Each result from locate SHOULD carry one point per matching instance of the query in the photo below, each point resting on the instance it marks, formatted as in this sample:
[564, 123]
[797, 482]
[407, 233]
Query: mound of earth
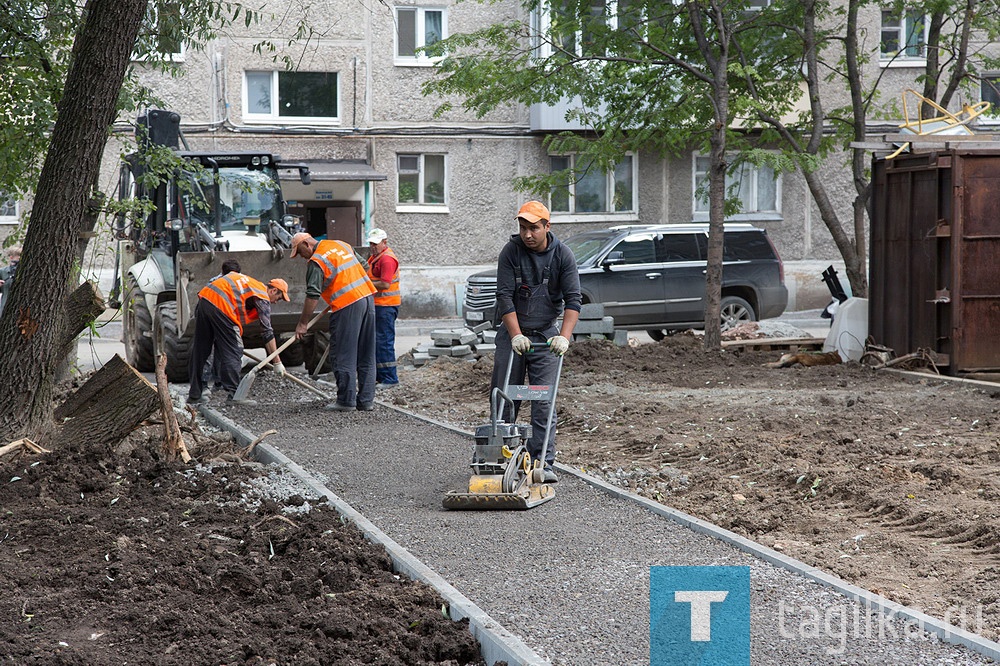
[120, 558]
[886, 481]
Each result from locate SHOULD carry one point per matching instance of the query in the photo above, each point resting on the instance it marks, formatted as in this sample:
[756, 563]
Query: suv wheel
[658, 334]
[735, 311]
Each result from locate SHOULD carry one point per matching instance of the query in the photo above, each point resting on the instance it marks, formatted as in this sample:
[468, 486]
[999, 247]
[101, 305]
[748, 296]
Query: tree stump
[113, 402]
[81, 308]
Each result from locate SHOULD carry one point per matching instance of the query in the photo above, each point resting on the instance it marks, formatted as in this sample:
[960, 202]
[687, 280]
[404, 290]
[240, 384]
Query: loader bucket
[195, 269]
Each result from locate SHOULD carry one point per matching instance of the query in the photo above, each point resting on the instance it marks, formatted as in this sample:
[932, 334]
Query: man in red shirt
[383, 271]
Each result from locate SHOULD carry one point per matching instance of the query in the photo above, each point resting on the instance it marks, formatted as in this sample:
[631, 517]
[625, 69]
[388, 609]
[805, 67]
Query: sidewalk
[409, 333]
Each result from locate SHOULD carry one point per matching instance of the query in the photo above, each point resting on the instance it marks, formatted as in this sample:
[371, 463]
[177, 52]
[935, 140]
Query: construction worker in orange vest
[334, 274]
[383, 271]
[225, 306]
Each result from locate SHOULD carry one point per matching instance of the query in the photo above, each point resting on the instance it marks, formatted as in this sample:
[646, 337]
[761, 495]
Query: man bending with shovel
[225, 305]
[334, 274]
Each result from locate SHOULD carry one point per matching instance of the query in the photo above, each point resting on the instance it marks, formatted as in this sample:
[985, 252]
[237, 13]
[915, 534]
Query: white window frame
[7, 218]
[750, 213]
[419, 205]
[420, 59]
[992, 76]
[541, 22]
[900, 59]
[611, 216]
[273, 117]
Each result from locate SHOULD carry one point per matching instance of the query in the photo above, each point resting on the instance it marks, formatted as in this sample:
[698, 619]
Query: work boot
[337, 407]
[366, 406]
[201, 400]
[549, 475]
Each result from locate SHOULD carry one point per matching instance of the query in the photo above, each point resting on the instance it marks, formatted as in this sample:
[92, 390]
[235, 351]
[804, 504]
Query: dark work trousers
[352, 348]
[385, 339]
[213, 330]
[540, 367]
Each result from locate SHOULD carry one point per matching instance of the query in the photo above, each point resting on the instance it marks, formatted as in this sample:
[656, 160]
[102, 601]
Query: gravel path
[571, 577]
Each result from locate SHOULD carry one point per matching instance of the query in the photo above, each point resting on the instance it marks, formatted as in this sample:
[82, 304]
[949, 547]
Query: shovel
[293, 378]
[244, 388]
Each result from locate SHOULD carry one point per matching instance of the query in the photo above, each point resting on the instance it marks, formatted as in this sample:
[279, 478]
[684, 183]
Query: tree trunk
[68, 355]
[853, 264]
[716, 236]
[33, 318]
[108, 407]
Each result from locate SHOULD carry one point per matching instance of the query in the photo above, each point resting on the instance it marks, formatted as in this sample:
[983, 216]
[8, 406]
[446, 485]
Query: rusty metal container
[935, 257]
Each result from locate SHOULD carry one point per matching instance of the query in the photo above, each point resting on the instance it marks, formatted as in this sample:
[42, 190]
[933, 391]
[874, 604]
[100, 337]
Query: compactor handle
[499, 394]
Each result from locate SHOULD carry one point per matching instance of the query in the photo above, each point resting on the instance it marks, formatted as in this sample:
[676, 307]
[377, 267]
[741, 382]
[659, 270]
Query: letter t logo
[701, 610]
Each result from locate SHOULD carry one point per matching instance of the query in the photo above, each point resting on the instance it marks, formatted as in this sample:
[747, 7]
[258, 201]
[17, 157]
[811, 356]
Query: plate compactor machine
[503, 474]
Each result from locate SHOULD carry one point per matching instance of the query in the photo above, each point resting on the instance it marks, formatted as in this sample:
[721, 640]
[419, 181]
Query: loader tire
[318, 342]
[176, 346]
[292, 356]
[137, 328]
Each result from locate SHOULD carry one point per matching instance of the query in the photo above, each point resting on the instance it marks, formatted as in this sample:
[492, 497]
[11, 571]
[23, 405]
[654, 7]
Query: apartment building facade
[441, 185]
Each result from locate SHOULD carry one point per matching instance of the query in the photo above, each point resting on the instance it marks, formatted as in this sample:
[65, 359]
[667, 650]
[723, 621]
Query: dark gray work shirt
[264, 316]
[563, 286]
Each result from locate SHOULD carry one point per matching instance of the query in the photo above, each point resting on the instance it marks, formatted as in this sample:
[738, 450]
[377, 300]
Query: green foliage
[407, 192]
[648, 84]
[36, 40]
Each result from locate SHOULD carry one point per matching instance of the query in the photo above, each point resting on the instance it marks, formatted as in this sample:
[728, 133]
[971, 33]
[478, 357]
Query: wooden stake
[26, 444]
[173, 441]
[248, 451]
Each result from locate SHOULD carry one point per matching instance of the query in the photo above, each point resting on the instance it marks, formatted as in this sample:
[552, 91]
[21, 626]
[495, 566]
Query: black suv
[652, 277]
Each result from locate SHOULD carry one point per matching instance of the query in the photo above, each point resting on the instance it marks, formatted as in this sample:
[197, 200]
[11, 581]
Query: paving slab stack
[471, 342]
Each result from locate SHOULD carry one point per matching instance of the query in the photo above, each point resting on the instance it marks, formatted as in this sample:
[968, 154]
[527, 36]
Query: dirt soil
[891, 484]
[111, 558]
[119, 557]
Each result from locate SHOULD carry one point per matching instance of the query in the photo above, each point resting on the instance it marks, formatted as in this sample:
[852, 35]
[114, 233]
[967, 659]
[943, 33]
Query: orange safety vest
[391, 295]
[230, 293]
[344, 280]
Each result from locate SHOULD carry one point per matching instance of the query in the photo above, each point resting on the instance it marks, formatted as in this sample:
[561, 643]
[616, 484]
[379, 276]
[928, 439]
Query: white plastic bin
[849, 330]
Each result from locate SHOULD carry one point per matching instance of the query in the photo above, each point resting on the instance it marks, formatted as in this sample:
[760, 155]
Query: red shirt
[385, 268]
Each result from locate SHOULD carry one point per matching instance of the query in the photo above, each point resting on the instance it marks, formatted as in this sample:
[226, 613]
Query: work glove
[520, 344]
[558, 344]
[280, 369]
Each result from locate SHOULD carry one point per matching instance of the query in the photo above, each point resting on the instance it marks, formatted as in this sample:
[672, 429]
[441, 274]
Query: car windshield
[588, 244]
[244, 193]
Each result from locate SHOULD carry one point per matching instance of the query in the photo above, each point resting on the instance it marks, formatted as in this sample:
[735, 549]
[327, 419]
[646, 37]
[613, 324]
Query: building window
[310, 96]
[586, 189]
[9, 211]
[569, 25]
[421, 180]
[989, 91]
[160, 39]
[416, 28]
[758, 189]
[903, 36]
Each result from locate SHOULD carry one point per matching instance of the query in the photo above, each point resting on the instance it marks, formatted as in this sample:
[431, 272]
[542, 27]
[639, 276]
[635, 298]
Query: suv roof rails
[685, 226]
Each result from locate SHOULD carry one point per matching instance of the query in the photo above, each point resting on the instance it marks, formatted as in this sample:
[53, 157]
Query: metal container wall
[935, 257]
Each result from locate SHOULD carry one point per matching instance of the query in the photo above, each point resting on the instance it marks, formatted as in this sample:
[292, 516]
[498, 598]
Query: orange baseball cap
[533, 211]
[281, 286]
[297, 240]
